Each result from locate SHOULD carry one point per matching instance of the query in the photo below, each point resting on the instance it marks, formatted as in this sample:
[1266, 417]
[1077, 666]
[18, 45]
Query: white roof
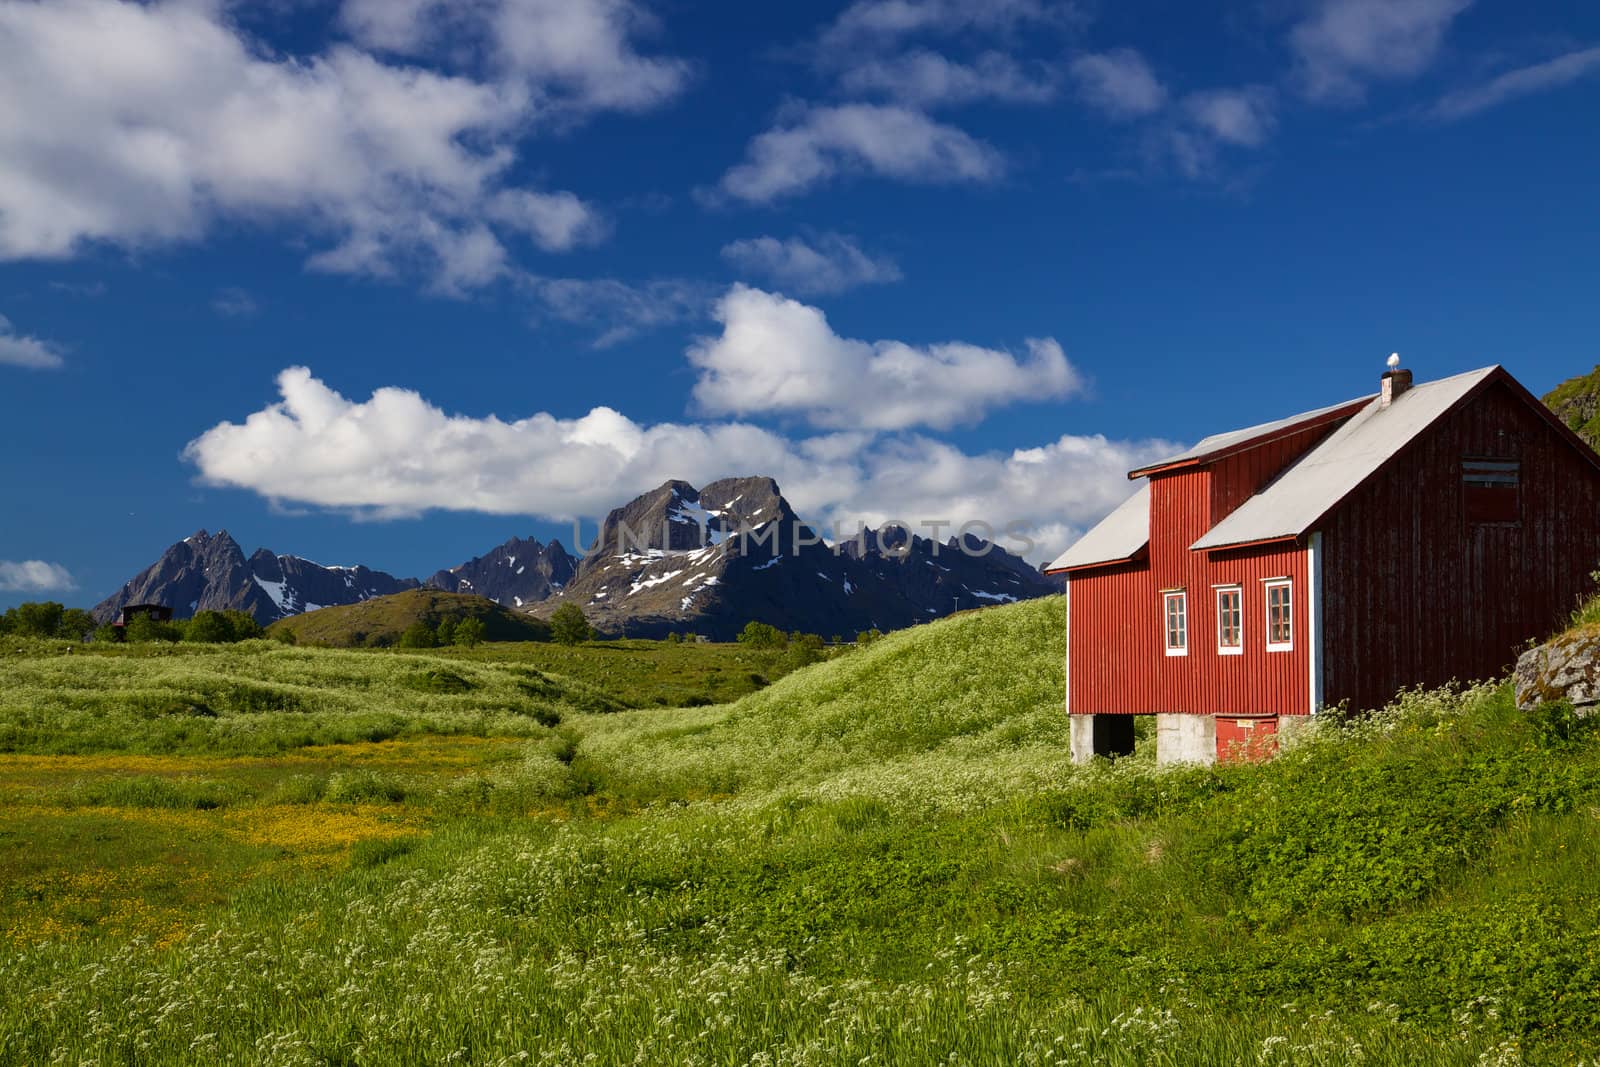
[1118, 536]
[1222, 442]
[1287, 506]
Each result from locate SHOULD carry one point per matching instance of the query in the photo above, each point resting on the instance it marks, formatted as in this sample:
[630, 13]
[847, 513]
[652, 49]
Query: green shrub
[569, 626]
[469, 633]
[210, 627]
[1558, 726]
[144, 629]
[419, 635]
[76, 625]
[761, 635]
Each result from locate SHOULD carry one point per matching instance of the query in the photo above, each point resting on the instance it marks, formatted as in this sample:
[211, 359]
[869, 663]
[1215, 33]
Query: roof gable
[1219, 445]
[1311, 487]
[1118, 537]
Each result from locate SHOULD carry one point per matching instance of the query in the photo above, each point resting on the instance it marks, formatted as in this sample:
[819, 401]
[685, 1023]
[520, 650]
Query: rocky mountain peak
[518, 574]
[209, 572]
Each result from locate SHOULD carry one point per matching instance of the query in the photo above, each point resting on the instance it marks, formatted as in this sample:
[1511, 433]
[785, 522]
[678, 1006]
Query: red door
[1246, 738]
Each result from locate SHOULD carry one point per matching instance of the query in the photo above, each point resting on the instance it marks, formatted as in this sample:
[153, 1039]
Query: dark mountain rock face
[519, 573]
[675, 560]
[708, 561]
[210, 573]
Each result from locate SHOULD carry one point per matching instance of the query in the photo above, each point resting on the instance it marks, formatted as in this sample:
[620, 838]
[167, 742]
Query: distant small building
[1413, 537]
[158, 612]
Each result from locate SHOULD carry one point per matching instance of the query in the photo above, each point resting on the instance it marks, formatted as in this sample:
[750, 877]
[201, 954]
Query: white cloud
[1345, 44]
[620, 310]
[555, 221]
[234, 303]
[143, 124]
[1119, 84]
[1551, 74]
[397, 455]
[20, 350]
[34, 576]
[1234, 116]
[866, 23]
[928, 79]
[779, 356]
[825, 142]
[1195, 132]
[828, 263]
[578, 54]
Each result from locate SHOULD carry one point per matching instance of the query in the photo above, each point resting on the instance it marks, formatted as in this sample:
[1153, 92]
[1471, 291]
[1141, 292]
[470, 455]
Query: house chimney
[1396, 380]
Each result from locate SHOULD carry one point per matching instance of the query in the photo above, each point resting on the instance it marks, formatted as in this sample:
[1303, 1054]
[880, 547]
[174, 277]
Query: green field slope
[885, 858]
[1577, 401]
[381, 620]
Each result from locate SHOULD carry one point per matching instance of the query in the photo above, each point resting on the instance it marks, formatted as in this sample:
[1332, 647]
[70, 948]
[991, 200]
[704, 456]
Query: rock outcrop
[1564, 668]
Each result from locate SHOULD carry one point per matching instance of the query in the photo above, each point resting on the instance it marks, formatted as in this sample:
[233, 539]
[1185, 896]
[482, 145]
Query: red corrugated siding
[1113, 640]
[1116, 658]
[1415, 595]
[1236, 477]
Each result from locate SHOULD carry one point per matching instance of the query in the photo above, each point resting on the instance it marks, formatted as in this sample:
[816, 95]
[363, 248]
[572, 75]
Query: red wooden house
[1412, 537]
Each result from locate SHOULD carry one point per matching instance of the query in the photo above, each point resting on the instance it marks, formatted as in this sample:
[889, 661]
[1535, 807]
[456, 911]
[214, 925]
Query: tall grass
[887, 859]
[260, 697]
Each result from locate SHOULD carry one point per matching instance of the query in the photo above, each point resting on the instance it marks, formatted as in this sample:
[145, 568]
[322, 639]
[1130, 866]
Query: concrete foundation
[1100, 735]
[1185, 739]
[1292, 729]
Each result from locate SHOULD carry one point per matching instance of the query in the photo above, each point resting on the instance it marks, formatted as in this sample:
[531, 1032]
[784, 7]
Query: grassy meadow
[270, 854]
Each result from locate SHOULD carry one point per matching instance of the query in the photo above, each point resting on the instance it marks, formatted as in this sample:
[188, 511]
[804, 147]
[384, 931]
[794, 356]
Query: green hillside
[884, 858]
[1577, 402]
[382, 620]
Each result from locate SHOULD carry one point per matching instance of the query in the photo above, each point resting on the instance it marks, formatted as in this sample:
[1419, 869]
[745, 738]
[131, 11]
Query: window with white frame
[1230, 620]
[1280, 616]
[1176, 608]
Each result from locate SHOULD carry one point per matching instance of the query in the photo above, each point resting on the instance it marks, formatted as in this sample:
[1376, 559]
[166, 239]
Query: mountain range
[674, 560]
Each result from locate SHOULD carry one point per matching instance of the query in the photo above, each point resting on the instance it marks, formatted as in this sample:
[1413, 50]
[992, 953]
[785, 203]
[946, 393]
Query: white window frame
[1267, 588]
[1236, 649]
[1182, 597]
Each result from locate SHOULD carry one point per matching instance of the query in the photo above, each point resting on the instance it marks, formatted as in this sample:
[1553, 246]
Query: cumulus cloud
[143, 124]
[397, 455]
[1119, 84]
[1345, 44]
[779, 356]
[20, 350]
[34, 576]
[828, 263]
[885, 141]
[929, 79]
[578, 55]
[1524, 81]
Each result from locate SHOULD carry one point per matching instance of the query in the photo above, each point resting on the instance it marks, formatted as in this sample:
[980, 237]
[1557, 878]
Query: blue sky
[390, 281]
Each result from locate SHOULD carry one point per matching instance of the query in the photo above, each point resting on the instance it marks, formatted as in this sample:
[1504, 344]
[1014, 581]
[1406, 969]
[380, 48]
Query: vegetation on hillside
[884, 858]
[385, 621]
[1577, 402]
